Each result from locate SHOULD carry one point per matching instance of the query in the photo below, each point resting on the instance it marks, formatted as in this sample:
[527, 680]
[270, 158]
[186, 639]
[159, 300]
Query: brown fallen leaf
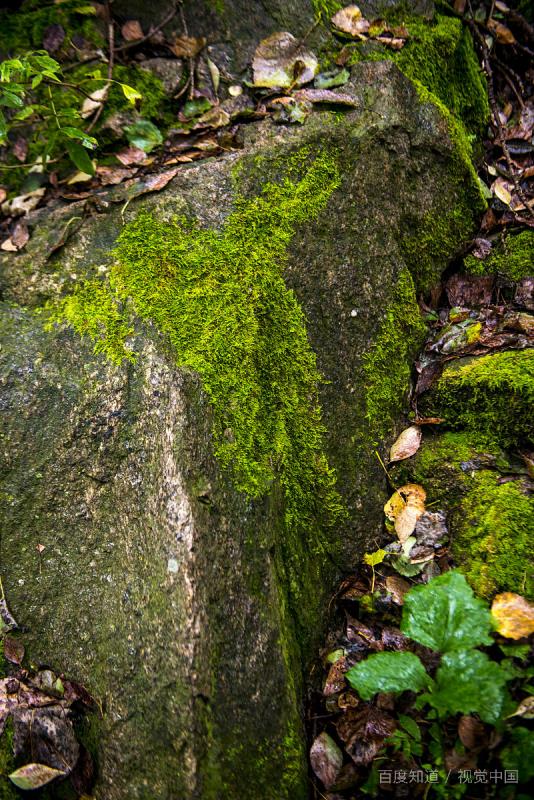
[20, 148]
[326, 96]
[335, 680]
[502, 189]
[363, 731]
[414, 508]
[326, 759]
[131, 155]
[188, 46]
[469, 290]
[503, 34]
[132, 30]
[282, 61]
[513, 614]
[13, 650]
[406, 444]
[472, 733]
[20, 236]
[397, 587]
[113, 175]
[394, 42]
[350, 21]
[94, 101]
[8, 246]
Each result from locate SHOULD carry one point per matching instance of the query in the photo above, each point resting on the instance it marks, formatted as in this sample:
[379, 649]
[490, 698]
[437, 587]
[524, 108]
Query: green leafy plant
[445, 616]
[29, 86]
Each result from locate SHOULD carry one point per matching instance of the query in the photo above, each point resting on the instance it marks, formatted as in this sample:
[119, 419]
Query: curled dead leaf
[503, 34]
[188, 46]
[132, 30]
[33, 776]
[397, 588]
[407, 443]
[350, 21]
[513, 614]
[281, 60]
[326, 759]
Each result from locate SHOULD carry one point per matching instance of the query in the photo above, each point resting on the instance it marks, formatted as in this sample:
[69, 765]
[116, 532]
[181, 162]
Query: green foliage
[518, 754]
[492, 395]
[468, 681]
[220, 298]
[144, 135]
[387, 365]
[445, 615]
[387, 672]
[513, 258]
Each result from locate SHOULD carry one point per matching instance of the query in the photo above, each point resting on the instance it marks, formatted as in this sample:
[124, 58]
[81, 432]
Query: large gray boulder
[184, 605]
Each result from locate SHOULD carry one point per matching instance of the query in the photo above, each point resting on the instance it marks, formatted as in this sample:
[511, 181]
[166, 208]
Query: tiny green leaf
[372, 559]
[75, 133]
[130, 93]
[80, 157]
[143, 134]
[388, 672]
[468, 681]
[445, 615]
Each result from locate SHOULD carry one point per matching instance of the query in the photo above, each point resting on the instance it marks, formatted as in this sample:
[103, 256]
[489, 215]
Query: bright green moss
[220, 298]
[493, 535]
[324, 10]
[387, 365]
[146, 83]
[513, 258]
[493, 395]
[440, 56]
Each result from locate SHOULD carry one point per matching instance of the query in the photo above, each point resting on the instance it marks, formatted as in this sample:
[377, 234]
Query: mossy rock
[492, 395]
[490, 515]
[174, 583]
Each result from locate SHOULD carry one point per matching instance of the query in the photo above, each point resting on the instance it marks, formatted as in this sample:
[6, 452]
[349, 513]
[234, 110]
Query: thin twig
[111, 42]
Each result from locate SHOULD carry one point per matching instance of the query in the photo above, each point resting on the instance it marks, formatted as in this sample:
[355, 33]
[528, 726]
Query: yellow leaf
[394, 506]
[514, 615]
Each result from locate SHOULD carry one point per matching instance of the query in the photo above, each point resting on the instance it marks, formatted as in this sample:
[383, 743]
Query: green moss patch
[513, 258]
[493, 395]
[387, 366]
[220, 298]
[493, 535]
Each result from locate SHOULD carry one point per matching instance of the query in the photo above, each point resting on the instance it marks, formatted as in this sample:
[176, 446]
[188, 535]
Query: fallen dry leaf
[24, 202]
[188, 46]
[281, 60]
[131, 31]
[33, 776]
[20, 148]
[503, 34]
[472, 733]
[397, 587]
[113, 175]
[513, 614]
[502, 189]
[525, 708]
[350, 21]
[326, 759]
[13, 650]
[94, 101]
[8, 246]
[131, 155]
[406, 444]
[326, 96]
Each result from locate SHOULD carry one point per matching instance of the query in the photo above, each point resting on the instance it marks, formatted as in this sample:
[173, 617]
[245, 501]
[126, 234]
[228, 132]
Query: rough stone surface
[161, 587]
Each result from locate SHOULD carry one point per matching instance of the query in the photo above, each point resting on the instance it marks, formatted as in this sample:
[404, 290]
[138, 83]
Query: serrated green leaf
[468, 681]
[80, 157]
[388, 672]
[143, 134]
[445, 615]
[130, 93]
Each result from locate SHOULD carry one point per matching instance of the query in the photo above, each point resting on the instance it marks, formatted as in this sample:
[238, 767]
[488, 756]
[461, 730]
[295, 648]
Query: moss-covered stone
[512, 257]
[7, 764]
[492, 395]
[493, 536]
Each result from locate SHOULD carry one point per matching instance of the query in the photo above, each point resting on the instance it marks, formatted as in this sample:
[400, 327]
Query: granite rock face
[161, 587]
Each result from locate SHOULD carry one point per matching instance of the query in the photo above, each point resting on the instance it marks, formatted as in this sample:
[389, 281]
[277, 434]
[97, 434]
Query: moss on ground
[513, 257]
[24, 29]
[387, 366]
[492, 395]
[493, 535]
[7, 764]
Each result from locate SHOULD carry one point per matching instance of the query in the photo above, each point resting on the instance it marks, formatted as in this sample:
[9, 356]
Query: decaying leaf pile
[38, 714]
